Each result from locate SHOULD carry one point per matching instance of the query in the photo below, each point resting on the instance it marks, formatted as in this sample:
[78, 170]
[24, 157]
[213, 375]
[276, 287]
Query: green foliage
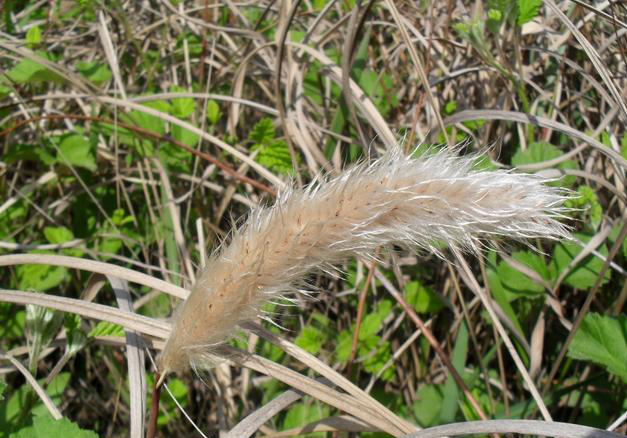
[602, 340]
[40, 277]
[28, 71]
[33, 37]
[586, 271]
[541, 151]
[422, 298]
[301, 414]
[428, 405]
[313, 336]
[96, 72]
[527, 10]
[104, 328]
[45, 427]
[375, 351]
[518, 283]
[587, 201]
[22, 406]
[76, 150]
[273, 154]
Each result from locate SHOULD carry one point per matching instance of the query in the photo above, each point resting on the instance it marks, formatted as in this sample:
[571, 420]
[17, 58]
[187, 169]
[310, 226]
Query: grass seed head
[413, 202]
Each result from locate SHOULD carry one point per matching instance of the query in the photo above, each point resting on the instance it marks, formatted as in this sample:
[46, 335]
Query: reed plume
[414, 202]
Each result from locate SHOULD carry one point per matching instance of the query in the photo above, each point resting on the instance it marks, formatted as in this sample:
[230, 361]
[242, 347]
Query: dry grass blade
[466, 273]
[525, 427]
[329, 424]
[94, 266]
[135, 360]
[41, 393]
[251, 424]
[513, 116]
[99, 312]
[329, 373]
[343, 402]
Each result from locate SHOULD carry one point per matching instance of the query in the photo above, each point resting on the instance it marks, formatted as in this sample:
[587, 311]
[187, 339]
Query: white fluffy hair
[415, 202]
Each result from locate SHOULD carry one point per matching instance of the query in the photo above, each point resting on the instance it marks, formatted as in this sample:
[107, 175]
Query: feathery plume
[414, 202]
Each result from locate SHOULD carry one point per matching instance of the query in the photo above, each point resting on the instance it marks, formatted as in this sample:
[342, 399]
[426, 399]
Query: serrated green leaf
[17, 402]
[585, 273]
[58, 234]
[104, 328]
[76, 150]
[602, 340]
[527, 10]
[46, 427]
[373, 322]
[310, 339]
[148, 121]
[185, 136]
[276, 157]
[589, 202]
[263, 132]
[542, 151]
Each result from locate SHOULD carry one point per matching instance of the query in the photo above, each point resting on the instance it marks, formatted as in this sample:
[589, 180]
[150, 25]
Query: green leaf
[602, 340]
[422, 298]
[519, 283]
[185, 136]
[46, 426]
[58, 234]
[33, 36]
[373, 322]
[276, 157]
[19, 151]
[30, 72]
[182, 107]
[40, 277]
[450, 400]
[589, 202]
[213, 112]
[94, 71]
[104, 328]
[76, 150]
[263, 132]
[310, 339]
[17, 402]
[585, 273]
[301, 414]
[542, 151]
[428, 405]
[344, 346]
[527, 10]
[148, 121]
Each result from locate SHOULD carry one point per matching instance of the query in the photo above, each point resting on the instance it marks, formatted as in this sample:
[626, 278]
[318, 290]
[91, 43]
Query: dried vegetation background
[134, 134]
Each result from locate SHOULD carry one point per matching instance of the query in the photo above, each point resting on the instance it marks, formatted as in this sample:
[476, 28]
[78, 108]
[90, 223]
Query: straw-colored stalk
[415, 202]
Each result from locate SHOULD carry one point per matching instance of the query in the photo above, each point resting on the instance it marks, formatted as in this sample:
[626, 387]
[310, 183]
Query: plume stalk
[419, 203]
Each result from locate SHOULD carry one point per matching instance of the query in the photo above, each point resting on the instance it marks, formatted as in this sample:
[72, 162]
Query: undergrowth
[137, 133]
